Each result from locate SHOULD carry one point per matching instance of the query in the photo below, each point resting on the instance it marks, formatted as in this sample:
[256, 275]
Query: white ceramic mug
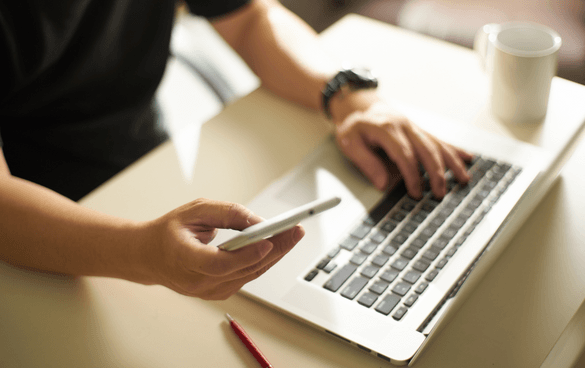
[521, 59]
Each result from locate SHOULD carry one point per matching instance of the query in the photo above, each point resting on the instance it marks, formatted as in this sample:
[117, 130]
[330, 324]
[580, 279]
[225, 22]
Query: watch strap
[342, 78]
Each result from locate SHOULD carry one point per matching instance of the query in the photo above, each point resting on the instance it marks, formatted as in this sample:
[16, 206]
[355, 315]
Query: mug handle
[481, 44]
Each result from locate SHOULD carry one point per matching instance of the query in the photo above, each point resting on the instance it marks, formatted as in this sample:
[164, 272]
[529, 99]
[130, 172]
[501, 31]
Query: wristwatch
[352, 78]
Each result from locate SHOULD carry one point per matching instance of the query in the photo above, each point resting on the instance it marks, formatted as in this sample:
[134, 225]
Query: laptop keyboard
[401, 246]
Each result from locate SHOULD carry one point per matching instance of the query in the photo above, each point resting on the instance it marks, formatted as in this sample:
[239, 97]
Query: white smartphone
[278, 224]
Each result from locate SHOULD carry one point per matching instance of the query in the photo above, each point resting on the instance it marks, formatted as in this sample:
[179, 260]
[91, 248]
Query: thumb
[209, 213]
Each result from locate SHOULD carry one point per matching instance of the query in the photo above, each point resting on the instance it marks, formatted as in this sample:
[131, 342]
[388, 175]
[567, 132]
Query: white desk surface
[512, 319]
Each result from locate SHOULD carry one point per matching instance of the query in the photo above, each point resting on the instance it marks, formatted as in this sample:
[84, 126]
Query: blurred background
[457, 21]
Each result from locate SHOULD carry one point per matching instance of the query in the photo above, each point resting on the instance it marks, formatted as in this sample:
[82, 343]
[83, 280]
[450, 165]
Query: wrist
[344, 104]
[140, 263]
[348, 91]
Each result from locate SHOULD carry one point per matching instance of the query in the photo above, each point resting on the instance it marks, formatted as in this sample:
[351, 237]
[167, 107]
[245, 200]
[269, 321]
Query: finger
[367, 161]
[207, 236]
[398, 147]
[218, 214]
[454, 161]
[208, 260]
[431, 158]
[282, 244]
[228, 288]
[463, 154]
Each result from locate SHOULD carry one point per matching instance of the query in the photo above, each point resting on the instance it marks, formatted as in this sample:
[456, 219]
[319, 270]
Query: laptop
[384, 272]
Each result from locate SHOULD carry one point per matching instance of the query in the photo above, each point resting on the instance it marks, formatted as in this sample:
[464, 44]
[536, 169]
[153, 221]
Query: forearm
[42, 230]
[286, 54]
[281, 49]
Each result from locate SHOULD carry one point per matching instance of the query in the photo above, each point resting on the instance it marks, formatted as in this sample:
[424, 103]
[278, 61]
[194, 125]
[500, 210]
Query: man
[82, 76]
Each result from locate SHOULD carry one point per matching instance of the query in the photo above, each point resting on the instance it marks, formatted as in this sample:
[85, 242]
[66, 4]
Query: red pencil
[252, 348]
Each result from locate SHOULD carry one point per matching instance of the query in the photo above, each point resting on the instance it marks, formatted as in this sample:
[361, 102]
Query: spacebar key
[340, 277]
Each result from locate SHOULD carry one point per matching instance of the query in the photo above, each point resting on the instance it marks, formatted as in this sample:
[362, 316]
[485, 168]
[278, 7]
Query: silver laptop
[382, 271]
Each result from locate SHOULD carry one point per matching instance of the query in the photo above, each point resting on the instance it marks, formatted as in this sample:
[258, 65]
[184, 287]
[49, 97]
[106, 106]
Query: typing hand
[182, 259]
[380, 127]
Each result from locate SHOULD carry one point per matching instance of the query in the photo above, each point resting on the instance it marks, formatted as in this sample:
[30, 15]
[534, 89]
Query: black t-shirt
[75, 73]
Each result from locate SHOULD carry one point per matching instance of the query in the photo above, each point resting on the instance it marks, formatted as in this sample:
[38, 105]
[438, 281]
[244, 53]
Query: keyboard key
[367, 299]
[361, 231]
[419, 242]
[411, 277]
[429, 230]
[410, 227]
[421, 287]
[358, 258]
[420, 216]
[398, 216]
[467, 213]
[438, 220]
[501, 168]
[370, 271]
[388, 226]
[421, 265]
[401, 288]
[380, 259]
[389, 250]
[458, 222]
[483, 193]
[349, 243]
[400, 238]
[412, 298]
[489, 184]
[449, 233]
[323, 263]
[399, 264]
[387, 304]
[330, 267]
[400, 312]
[433, 248]
[389, 275]
[369, 247]
[445, 212]
[453, 202]
[460, 240]
[431, 275]
[440, 243]
[340, 277]
[311, 275]
[354, 287]
[430, 254]
[379, 287]
[409, 252]
[408, 204]
[442, 263]
[462, 191]
[378, 236]
[451, 252]
[474, 204]
[333, 252]
[429, 206]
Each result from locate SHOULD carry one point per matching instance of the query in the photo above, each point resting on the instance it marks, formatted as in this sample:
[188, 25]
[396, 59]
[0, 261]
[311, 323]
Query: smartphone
[278, 224]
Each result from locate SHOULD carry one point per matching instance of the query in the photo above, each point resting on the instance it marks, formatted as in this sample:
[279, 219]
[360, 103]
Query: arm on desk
[285, 54]
[42, 230]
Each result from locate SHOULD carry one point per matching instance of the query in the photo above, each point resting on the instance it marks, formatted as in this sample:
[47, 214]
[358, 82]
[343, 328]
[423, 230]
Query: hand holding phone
[280, 223]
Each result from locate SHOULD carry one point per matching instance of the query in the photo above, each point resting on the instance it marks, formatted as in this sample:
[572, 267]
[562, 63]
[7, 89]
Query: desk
[512, 319]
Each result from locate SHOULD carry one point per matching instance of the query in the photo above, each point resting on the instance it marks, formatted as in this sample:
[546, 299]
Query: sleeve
[214, 8]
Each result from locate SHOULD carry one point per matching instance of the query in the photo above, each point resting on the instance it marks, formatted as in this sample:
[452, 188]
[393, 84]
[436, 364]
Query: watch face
[363, 73]
[362, 78]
